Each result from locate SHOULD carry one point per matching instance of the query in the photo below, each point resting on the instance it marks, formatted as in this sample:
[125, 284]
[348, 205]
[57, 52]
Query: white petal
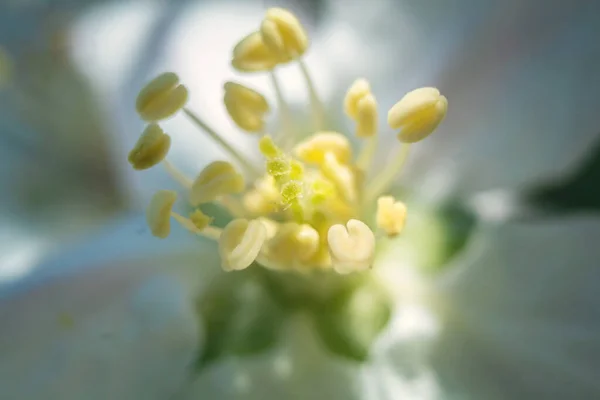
[104, 322]
[521, 321]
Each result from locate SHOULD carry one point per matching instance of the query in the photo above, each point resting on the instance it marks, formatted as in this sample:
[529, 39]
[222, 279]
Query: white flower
[511, 316]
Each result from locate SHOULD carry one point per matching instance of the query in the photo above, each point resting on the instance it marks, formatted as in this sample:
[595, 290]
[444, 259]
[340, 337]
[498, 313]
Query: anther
[313, 149]
[251, 54]
[158, 213]
[351, 247]
[217, 179]
[161, 97]
[391, 215]
[151, 148]
[240, 243]
[417, 114]
[283, 34]
[246, 107]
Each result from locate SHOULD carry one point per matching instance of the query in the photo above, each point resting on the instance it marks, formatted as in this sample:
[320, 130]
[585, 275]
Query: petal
[521, 319]
[105, 319]
[300, 368]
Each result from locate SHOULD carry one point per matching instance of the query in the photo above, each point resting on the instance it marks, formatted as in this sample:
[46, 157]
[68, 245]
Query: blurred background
[70, 71]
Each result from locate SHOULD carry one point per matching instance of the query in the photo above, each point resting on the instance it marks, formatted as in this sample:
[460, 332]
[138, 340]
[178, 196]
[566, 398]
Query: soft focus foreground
[347, 279]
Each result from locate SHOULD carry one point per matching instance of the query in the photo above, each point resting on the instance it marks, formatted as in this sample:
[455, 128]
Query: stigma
[306, 206]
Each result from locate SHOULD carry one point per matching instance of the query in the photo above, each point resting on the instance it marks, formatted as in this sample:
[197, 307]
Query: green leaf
[350, 323]
[239, 316]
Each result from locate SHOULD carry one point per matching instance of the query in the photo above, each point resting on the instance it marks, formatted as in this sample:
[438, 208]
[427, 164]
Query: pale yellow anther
[151, 148]
[240, 243]
[293, 243]
[252, 55]
[366, 120]
[361, 106]
[313, 149]
[268, 148]
[341, 175]
[417, 114]
[352, 247]
[217, 179]
[283, 34]
[161, 97]
[246, 107]
[391, 215]
[158, 213]
[359, 89]
[200, 220]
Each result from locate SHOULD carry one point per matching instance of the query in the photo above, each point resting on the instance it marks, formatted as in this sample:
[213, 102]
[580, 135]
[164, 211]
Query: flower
[400, 365]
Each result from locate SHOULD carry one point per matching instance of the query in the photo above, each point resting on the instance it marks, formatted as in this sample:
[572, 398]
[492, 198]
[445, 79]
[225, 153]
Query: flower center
[307, 208]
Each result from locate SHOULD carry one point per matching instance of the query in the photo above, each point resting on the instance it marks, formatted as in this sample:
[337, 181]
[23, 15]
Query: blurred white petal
[112, 318]
[521, 318]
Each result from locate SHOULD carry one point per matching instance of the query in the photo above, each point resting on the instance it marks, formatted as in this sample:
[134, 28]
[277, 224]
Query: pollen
[307, 205]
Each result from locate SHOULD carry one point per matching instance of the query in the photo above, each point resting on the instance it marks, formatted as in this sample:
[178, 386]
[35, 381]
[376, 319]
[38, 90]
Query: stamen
[161, 97]
[177, 175]
[151, 148]
[292, 243]
[284, 34]
[159, 211]
[391, 215]
[247, 164]
[417, 114]
[217, 179]
[351, 247]
[252, 55]
[341, 176]
[209, 232]
[286, 134]
[385, 178]
[314, 148]
[316, 105]
[246, 107]
[360, 105]
[240, 243]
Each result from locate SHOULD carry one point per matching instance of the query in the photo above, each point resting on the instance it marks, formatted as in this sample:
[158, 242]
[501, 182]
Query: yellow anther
[268, 148]
[341, 176]
[240, 243]
[417, 114]
[151, 148]
[158, 213]
[313, 149]
[278, 168]
[296, 170]
[245, 106]
[252, 55]
[216, 179]
[391, 215]
[351, 247]
[200, 220]
[290, 192]
[366, 120]
[359, 89]
[161, 97]
[361, 106]
[293, 243]
[283, 34]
